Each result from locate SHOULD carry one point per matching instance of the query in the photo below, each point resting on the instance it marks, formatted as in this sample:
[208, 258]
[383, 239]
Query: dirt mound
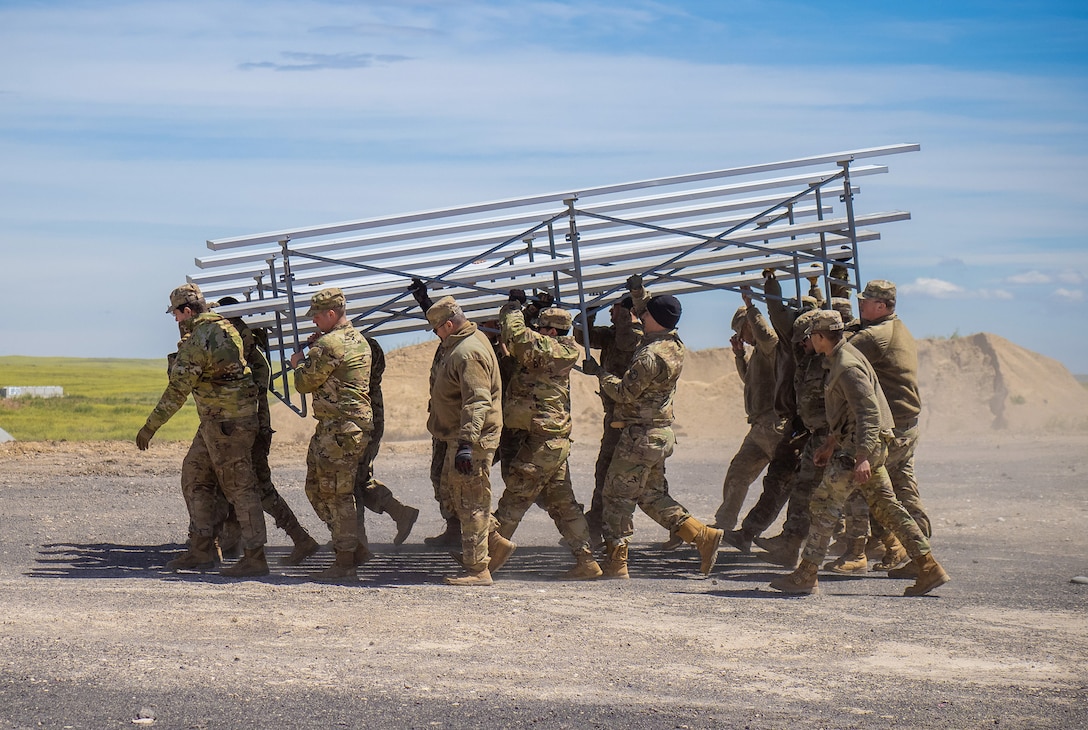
[969, 385]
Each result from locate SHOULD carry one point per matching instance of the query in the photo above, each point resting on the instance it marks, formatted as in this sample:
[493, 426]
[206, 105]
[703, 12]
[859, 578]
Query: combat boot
[362, 554]
[739, 539]
[342, 569]
[906, 572]
[200, 555]
[673, 542]
[930, 576]
[615, 565]
[874, 548]
[230, 539]
[499, 550]
[852, 561]
[706, 539]
[895, 554]
[586, 569]
[472, 578]
[787, 554]
[305, 546]
[450, 538]
[770, 544]
[252, 564]
[405, 519]
[801, 581]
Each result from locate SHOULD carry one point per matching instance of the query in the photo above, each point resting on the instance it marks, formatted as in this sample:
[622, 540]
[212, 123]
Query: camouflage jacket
[618, 345]
[211, 366]
[757, 370]
[259, 366]
[377, 370]
[890, 347]
[644, 394]
[466, 392]
[336, 372]
[857, 411]
[538, 397]
[808, 383]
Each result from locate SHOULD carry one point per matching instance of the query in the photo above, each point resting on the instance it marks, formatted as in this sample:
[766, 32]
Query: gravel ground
[96, 635]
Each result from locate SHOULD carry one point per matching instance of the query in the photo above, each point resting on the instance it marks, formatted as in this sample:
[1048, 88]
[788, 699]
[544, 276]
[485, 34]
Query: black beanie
[665, 309]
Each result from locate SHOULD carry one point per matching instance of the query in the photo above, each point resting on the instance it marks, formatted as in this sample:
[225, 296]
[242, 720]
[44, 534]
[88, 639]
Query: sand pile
[969, 384]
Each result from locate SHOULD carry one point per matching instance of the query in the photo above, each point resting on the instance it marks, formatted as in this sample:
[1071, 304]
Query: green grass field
[104, 400]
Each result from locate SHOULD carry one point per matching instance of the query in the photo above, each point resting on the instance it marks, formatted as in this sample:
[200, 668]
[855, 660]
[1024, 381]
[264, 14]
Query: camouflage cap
[880, 289]
[443, 311]
[825, 320]
[809, 303]
[185, 294]
[554, 317]
[801, 325]
[739, 318]
[843, 307]
[325, 300]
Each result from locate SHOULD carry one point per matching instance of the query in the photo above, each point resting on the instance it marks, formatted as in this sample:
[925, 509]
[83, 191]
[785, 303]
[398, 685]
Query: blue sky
[131, 132]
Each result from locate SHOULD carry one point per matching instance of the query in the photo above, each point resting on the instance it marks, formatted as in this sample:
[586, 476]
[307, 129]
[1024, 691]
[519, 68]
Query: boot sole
[935, 584]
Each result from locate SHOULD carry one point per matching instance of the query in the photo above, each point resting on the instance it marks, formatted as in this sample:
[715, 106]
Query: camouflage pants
[331, 463]
[438, 465]
[900, 467]
[609, 438]
[538, 474]
[777, 484]
[217, 471]
[636, 477]
[804, 482]
[836, 486]
[468, 498]
[754, 454]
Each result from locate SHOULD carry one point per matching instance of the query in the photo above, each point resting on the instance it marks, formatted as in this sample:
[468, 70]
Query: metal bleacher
[689, 233]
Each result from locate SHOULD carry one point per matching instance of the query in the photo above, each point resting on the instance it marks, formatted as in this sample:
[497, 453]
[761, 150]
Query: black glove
[517, 295]
[143, 438]
[590, 366]
[634, 282]
[544, 299]
[419, 292]
[462, 460]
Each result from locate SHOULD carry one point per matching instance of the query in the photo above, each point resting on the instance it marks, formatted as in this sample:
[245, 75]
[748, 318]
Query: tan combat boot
[200, 555]
[874, 548]
[673, 542]
[852, 561]
[895, 554]
[252, 564]
[499, 549]
[771, 544]
[305, 546]
[472, 578]
[586, 569]
[405, 518]
[801, 581]
[787, 553]
[342, 569]
[906, 572]
[739, 539]
[450, 538]
[362, 554]
[615, 565]
[706, 539]
[930, 576]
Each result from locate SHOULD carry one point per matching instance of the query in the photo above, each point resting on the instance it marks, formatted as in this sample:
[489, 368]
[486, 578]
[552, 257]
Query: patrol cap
[880, 289]
[739, 317]
[554, 317]
[825, 320]
[801, 325]
[665, 309]
[185, 294]
[843, 307]
[325, 300]
[443, 311]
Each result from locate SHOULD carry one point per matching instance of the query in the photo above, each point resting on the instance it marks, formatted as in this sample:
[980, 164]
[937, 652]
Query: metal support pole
[847, 198]
[289, 289]
[573, 236]
[555, 272]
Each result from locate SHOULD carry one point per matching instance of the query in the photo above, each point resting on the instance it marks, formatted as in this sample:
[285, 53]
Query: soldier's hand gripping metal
[419, 293]
[518, 295]
[591, 366]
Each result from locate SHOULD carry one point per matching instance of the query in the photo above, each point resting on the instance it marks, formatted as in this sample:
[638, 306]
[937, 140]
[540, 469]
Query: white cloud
[1071, 277]
[1029, 277]
[936, 288]
[995, 294]
[1069, 295]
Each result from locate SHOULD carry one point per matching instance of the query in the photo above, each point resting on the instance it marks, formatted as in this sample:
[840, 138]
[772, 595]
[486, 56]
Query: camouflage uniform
[465, 407]
[336, 372]
[861, 422]
[536, 412]
[757, 371]
[210, 365]
[636, 475]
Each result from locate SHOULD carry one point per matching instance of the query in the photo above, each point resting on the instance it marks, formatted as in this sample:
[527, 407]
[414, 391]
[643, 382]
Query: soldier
[465, 414]
[336, 371]
[757, 371]
[860, 424]
[636, 476]
[274, 504]
[370, 492]
[211, 366]
[536, 415]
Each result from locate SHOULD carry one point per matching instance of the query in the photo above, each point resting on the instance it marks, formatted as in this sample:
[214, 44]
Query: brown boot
[895, 554]
[305, 546]
[472, 578]
[252, 564]
[801, 581]
[852, 561]
[874, 548]
[706, 539]
[770, 544]
[230, 539]
[499, 550]
[739, 539]
[616, 564]
[450, 538]
[405, 518]
[906, 572]
[787, 554]
[362, 554]
[673, 542]
[342, 569]
[586, 569]
[930, 576]
[200, 555]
